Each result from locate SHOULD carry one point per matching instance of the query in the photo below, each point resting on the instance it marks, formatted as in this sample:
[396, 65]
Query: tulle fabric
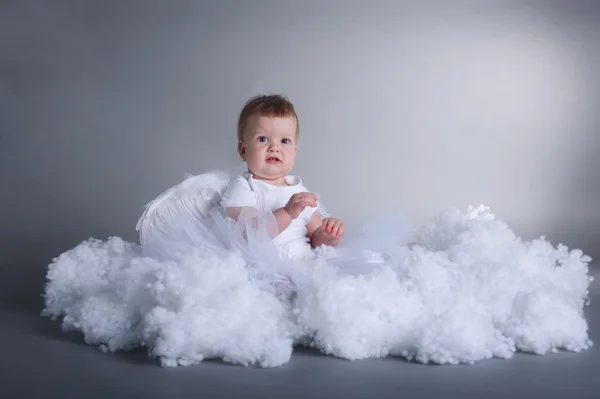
[380, 241]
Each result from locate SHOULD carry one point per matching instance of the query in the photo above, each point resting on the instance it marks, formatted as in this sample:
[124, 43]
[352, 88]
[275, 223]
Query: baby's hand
[298, 202]
[333, 228]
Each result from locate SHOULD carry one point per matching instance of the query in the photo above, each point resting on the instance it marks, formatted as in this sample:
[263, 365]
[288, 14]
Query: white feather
[190, 200]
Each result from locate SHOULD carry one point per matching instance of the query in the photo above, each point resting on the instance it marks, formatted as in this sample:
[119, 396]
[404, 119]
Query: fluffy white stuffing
[468, 289]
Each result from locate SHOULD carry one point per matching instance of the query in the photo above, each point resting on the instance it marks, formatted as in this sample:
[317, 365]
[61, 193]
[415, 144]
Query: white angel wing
[175, 215]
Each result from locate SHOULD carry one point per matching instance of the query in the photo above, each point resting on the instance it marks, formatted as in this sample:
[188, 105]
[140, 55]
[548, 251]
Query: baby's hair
[274, 105]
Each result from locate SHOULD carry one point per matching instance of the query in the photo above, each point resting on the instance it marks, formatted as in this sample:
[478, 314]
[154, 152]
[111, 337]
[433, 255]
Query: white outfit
[246, 191]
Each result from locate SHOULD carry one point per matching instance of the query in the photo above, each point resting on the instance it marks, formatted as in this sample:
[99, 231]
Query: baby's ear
[242, 150]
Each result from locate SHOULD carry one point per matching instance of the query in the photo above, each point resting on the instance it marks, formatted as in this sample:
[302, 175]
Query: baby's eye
[286, 141]
[262, 139]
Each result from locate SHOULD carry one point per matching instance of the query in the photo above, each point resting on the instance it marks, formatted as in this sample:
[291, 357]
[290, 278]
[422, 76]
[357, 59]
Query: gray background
[419, 106]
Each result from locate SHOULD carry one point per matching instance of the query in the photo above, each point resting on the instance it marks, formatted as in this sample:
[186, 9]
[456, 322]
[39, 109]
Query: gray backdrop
[104, 104]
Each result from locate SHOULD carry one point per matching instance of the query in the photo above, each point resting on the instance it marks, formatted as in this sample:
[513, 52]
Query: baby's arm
[251, 215]
[283, 216]
[328, 231]
[293, 209]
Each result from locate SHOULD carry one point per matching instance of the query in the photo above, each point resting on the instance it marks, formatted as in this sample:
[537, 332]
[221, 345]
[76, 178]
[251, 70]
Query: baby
[268, 131]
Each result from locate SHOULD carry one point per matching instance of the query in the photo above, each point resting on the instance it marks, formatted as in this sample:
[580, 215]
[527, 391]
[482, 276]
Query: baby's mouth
[273, 160]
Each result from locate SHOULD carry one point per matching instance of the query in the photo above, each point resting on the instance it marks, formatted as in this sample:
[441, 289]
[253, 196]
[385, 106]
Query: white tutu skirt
[458, 290]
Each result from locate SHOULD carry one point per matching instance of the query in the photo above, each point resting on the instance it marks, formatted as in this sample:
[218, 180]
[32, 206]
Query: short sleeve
[239, 194]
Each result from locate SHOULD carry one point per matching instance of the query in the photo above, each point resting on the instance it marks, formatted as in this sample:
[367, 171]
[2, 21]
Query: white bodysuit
[245, 191]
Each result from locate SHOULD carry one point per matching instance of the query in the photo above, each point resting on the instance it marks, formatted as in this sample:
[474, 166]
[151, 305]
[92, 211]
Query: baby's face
[269, 147]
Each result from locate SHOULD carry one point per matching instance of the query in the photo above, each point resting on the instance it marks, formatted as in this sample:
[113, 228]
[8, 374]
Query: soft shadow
[52, 329]
[307, 351]
[48, 328]
[24, 303]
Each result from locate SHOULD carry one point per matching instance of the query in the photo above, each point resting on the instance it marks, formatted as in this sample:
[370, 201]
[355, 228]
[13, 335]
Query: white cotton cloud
[467, 289]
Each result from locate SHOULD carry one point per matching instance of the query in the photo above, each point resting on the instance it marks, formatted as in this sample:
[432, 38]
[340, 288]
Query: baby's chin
[270, 173]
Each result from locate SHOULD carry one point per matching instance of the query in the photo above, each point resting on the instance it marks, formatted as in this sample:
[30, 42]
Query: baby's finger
[312, 197]
[330, 223]
[309, 203]
[302, 205]
[340, 229]
[301, 200]
[306, 194]
[324, 225]
[335, 230]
